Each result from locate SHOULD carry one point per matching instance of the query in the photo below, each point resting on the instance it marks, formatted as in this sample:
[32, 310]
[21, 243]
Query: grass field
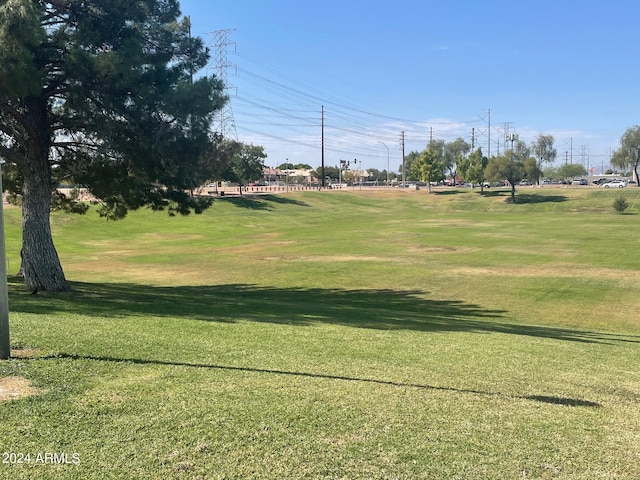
[334, 335]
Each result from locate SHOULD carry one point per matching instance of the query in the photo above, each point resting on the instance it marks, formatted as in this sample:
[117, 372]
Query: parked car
[580, 181]
[614, 184]
[525, 182]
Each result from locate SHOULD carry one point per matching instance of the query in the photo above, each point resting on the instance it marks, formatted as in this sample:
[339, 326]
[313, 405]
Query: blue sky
[433, 69]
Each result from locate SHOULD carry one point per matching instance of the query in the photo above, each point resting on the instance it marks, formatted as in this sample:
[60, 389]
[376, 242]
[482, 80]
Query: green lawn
[335, 335]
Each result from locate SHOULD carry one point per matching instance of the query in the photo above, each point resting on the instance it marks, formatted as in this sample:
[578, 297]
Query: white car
[614, 184]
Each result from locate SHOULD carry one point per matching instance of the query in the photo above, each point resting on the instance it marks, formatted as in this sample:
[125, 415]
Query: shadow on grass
[370, 308]
[524, 198]
[453, 191]
[572, 402]
[536, 198]
[261, 202]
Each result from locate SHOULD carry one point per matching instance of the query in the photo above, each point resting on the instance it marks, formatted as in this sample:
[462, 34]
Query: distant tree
[542, 148]
[408, 162]
[429, 167]
[453, 153]
[628, 155]
[246, 165]
[571, 170]
[508, 168]
[332, 172]
[520, 151]
[295, 166]
[472, 168]
[531, 169]
[217, 158]
[550, 172]
[101, 93]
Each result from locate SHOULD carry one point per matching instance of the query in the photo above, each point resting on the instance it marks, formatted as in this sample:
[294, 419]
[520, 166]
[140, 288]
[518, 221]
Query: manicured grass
[337, 335]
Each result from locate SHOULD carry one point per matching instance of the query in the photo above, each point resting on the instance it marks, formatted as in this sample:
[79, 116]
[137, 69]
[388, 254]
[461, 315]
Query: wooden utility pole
[403, 172]
[322, 153]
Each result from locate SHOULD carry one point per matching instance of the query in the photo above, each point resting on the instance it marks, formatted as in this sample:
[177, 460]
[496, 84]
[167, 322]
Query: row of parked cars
[604, 183]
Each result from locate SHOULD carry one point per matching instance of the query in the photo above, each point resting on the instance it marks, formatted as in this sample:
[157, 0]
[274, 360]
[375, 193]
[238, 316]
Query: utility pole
[5, 345]
[584, 155]
[322, 167]
[385, 146]
[402, 143]
[571, 150]
[473, 139]
[286, 180]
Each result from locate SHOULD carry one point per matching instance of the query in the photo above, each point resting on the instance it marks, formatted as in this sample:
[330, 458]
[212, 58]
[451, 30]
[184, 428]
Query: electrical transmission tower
[486, 132]
[226, 125]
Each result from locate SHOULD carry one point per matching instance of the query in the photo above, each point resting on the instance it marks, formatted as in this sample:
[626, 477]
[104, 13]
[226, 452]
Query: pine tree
[100, 94]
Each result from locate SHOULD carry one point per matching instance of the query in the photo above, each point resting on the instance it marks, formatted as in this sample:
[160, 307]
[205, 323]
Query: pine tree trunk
[635, 168]
[40, 263]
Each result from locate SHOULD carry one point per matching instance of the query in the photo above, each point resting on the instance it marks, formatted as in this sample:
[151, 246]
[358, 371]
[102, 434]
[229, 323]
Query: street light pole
[360, 172]
[286, 172]
[387, 160]
[5, 345]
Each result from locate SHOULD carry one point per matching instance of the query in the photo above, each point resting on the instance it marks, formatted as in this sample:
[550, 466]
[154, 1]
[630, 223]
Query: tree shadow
[536, 198]
[284, 200]
[452, 191]
[261, 202]
[524, 198]
[379, 309]
[497, 192]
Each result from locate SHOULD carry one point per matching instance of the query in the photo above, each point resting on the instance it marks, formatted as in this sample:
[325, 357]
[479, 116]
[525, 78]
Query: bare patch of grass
[24, 352]
[546, 271]
[14, 387]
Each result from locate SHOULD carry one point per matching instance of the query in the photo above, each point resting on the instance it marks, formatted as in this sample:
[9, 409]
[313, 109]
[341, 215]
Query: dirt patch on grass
[323, 258]
[14, 387]
[544, 271]
[23, 353]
